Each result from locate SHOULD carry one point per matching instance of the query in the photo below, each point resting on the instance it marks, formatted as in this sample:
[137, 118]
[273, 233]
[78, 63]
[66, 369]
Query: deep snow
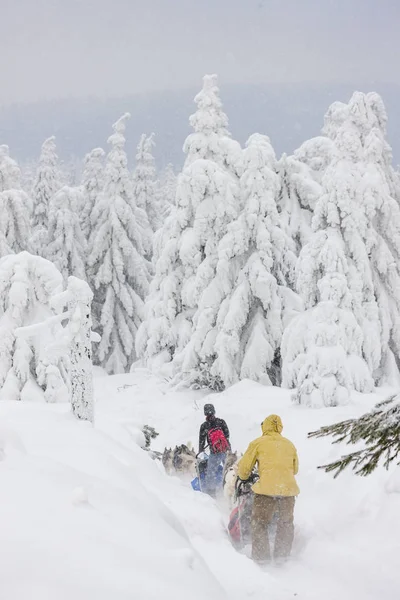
[87, 514]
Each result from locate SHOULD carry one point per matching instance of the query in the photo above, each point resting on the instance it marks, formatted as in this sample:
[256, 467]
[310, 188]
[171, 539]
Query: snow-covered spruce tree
[92, 186]
[167, 188]
[66, 246]
[301, 178]
[121, 274]
[145, 183]
[298, 195]
[15, 207]
[211, 139]
[240, 318]
[27, 285]
[379, 430]
[382, 239]
[331, 348]
[47, 183]
[10, 173]
[375, 190]
[207, 200]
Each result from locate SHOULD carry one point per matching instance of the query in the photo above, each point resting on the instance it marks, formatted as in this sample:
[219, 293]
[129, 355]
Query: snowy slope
[347, 530]
[87, 514]
[78, 519]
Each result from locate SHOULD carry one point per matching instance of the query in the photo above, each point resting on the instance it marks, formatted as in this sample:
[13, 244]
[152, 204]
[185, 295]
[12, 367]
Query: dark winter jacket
[211, 423]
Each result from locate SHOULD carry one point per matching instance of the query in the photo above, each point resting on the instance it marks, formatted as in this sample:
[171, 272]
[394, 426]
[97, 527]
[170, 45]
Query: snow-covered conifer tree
[10, 173]
[145, 183]
[66, 243]
[27, 285]
[167, 188]
[300, 180]
[92, 186]
[121, 274]
[242, 312]
[47, 183]
[207, 200]
[15, 207]
[211, 139]
[329, 350]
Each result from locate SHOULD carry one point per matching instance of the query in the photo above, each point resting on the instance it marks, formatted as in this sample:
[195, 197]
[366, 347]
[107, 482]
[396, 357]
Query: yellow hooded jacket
[276, 458]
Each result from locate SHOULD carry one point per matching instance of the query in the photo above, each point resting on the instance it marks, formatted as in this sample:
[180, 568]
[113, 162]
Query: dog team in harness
[265, 489]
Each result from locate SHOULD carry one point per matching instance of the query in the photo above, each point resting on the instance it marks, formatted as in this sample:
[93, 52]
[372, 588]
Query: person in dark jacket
[214, 434]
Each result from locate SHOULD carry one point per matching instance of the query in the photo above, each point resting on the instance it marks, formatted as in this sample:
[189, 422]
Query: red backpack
[217, 440]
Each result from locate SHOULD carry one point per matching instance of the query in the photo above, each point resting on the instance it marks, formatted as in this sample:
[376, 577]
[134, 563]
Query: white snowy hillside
[85, 513]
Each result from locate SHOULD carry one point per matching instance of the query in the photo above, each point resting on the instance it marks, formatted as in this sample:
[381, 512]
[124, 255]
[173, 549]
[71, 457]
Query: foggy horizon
[54, 49]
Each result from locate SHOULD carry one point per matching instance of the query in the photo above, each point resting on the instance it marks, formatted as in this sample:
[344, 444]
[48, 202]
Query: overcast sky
[57, 48]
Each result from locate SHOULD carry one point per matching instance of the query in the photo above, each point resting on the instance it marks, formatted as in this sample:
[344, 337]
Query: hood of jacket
[272, 424]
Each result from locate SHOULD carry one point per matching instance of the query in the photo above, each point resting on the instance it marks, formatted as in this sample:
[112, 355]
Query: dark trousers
[264, 509]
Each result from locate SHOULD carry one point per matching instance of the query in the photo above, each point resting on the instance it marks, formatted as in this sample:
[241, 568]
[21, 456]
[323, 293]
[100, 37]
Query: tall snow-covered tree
[92, 186]
[66, 246]
[211, 139]
[121, 273]
[27, 285]
[47, 183]
[10, 173]
[15, 207]
[301, 177]
[167, 188]
[207, 200]
[145, 183]
[242, 312]
[301, 186]
[381, 231]
[329, 350]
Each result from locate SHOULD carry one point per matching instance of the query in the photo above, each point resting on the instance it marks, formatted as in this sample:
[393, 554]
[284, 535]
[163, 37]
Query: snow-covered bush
[120, 271]
[27, 286]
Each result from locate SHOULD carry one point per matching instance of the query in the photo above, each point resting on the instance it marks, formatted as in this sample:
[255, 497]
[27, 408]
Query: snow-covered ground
[87, 514]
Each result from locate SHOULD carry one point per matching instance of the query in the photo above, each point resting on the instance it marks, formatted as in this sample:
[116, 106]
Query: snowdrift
[78, 517]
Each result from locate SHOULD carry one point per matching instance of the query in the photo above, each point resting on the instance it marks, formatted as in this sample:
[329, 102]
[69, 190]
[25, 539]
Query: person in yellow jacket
[274, 492]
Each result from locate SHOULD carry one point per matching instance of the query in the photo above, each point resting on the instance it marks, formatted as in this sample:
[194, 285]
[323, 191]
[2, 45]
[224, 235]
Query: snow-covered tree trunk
[80, 329]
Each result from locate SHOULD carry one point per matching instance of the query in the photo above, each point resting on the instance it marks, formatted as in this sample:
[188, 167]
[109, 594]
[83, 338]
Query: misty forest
[161, 295]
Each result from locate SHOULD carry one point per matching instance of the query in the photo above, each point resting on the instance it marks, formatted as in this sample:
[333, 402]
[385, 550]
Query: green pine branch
[378, 429]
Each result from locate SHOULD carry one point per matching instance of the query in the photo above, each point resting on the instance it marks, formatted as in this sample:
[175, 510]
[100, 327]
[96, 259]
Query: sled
[199, 482]
[239, 526]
